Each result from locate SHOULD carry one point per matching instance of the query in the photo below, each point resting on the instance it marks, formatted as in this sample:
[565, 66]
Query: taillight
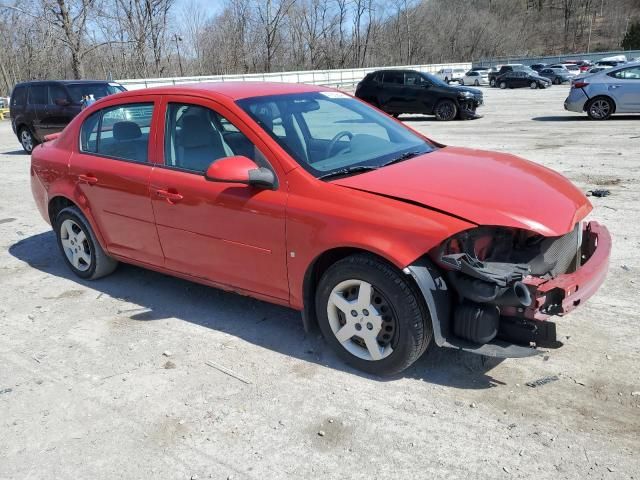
[580, 84]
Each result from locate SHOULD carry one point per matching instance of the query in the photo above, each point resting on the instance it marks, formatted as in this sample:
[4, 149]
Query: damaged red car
[307, 197]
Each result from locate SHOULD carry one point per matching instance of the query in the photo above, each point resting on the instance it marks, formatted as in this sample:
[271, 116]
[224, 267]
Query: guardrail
[336, 78]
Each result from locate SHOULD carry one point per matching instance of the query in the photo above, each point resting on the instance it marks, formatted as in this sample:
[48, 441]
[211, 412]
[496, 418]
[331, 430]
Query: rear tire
[462, 81]
[492, 82]
[600, 108]
[372, 315]
[476, 83]
[27, 140]
[79, 247]
[445, 110]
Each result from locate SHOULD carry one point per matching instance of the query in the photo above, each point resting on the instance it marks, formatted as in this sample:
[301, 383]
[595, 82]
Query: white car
[450, 74]
[572, 68]
[475, 77]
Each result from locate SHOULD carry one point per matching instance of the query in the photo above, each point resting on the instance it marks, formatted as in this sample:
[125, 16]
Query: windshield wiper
[343, 172]
[401, 158]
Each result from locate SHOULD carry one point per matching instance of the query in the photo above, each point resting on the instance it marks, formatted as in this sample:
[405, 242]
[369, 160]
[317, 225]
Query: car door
[36, 107]
[624, 88]
[112, 168]
[226, 233]
[414, 93]
[391, 94]
[58, 111]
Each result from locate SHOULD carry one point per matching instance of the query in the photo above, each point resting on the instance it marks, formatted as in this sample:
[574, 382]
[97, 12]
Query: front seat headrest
[126, 131]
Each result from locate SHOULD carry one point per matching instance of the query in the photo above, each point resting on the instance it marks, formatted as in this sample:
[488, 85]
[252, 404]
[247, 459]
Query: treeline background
[119, 39]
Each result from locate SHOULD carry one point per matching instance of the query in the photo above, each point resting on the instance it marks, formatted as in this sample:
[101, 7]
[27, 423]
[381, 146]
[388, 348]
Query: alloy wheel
[75, 245]
[26, 139]
[600, 109]
[362, 320]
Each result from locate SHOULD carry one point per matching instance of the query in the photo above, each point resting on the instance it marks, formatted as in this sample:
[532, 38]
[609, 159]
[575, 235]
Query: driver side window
[330, 119]
[196, 136]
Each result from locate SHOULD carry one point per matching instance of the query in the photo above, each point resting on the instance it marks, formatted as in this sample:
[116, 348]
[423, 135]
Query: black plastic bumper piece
[436, 295]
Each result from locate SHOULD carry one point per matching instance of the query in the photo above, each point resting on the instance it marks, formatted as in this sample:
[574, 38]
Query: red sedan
[307, 197]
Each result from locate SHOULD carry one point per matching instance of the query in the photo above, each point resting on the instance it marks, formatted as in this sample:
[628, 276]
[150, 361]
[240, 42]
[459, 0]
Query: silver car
[615, 90]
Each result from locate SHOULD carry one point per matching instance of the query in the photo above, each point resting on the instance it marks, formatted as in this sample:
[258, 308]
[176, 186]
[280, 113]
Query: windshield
[330, 132]
[98, 90]
[433, 79]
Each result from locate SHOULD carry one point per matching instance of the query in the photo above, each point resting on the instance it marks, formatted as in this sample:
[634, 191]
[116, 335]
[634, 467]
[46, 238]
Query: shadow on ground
[269, 326]
[14, 152]
[581, 118]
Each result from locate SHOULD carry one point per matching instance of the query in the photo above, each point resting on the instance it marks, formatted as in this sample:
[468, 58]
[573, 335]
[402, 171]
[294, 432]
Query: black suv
[40, 108]
[409, 91]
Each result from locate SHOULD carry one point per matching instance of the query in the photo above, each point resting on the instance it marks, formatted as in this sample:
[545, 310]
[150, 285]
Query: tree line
[115, 39]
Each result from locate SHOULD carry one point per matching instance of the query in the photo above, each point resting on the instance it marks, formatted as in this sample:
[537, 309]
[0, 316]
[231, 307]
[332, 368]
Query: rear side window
[38, 95]
[19, 97]
[394, 78]
[56, 93]
[632, 73]
[120, 132]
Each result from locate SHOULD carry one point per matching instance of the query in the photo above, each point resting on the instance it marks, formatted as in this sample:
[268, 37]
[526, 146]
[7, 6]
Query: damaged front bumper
[519, 328]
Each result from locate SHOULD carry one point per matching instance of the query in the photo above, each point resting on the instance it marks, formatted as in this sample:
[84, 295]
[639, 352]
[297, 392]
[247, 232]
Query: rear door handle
[170, 197]
[90, 179]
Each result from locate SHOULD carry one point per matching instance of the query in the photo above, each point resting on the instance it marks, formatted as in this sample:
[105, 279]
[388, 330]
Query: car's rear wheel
[476, 83]
[503, 85]
[492, 82]
[600, 108]
[533, 85]
[462, 81]
[372, 315]
[80, 249]
[556, 81]
[445, 110]
[27, 140]
[446, 79]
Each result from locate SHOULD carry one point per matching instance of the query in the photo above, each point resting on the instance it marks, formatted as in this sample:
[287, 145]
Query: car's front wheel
[503, 85]
[600, 108]
[372, 315]
[492, 83]
[462, 81]
[27, 140]
[533, 85]
[80, 248]
[445, 110]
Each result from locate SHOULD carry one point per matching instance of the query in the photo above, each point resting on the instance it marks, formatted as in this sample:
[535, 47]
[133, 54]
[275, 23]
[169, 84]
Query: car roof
[63, 82]
[232, 90]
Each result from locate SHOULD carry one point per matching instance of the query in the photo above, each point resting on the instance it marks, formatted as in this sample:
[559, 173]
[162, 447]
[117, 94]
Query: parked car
[615, 90]
[494, 74]
[556, 76]
[519, 79]
[306, 197]
[41, 108]
[475, 77]
[451, 74]
[571, 68]
[538, 66]
[409, 91]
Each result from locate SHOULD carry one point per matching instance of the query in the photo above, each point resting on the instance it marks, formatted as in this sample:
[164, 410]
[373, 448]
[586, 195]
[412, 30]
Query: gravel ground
[110, 378]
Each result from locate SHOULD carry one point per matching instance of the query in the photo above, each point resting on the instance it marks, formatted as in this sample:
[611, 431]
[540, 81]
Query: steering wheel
[334, 141]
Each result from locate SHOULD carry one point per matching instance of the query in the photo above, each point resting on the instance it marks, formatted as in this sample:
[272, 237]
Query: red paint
[261, 242]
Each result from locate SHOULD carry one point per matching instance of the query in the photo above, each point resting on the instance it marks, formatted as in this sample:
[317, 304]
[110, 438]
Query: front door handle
[170, 197]
[90, 179]
[612, 87]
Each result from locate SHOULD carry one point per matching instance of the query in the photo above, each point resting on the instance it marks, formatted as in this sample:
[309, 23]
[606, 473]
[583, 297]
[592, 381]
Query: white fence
[337, 78]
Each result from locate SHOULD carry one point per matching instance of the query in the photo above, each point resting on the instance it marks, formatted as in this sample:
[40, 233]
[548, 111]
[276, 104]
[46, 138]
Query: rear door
[391, 95]
[37, 100]
[624, 88]
[112, 169]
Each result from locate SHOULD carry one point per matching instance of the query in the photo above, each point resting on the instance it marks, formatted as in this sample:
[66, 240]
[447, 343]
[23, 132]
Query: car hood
[485, 188]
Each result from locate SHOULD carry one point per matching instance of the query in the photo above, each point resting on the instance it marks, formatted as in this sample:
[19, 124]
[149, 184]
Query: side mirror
[242, 170]
[62, 102]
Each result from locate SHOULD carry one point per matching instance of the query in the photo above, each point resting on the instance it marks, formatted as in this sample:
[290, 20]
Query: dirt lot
[86, 390]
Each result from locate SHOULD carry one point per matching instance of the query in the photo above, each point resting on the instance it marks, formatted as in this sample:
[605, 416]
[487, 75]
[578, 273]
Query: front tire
[445, 110]
[600, 108]
[533, 85]
[462, 81]
[477, 83]
[492, 82]
[27, 140]
[80, 248]
[371, 315]
[503, 85]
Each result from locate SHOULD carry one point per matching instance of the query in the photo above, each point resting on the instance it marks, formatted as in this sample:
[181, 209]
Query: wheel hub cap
[75, 245]
[369, 332]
